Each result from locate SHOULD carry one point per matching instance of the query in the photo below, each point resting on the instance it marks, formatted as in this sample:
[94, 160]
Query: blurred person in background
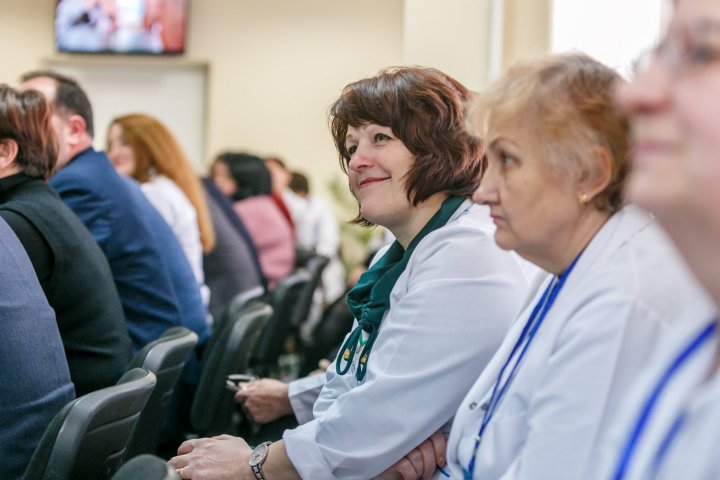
[233, 265]
[318, 231]
[670, 426]
[71, 268]
[157, 287]
[246, 180]
[152, 275]
[280, 180]
[141, 147]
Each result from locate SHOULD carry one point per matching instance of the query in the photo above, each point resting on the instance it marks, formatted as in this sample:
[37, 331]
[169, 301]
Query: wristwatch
[257, 458]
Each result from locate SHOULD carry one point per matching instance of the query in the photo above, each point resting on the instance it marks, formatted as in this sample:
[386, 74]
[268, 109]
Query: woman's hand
[218, 458]
[265, 400]
[421, 462]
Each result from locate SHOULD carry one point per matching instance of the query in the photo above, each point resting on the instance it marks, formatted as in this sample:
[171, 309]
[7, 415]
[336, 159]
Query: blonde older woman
[558, 156]
[669, 428]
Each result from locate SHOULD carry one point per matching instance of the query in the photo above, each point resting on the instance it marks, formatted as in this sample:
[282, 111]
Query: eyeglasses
[683, 54]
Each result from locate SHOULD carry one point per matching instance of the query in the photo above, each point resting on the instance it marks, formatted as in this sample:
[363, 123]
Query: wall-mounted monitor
[121, 26]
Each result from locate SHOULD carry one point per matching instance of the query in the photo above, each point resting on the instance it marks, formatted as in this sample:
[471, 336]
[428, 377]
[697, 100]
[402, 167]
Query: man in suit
[155, 282]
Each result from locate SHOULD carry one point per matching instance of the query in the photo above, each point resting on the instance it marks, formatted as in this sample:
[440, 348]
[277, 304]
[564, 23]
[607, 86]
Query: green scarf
[370, 297]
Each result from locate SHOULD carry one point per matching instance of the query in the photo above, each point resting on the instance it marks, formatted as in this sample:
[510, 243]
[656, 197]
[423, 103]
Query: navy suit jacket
[156, 285]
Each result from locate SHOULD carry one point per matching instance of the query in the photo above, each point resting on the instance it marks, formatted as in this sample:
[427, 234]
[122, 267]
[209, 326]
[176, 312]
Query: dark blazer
[153, 277]
[35, 382]
[233, 265]
[76, 279]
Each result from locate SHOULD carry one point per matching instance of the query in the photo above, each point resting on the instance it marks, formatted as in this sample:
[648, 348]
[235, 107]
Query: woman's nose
[647, 92]
[360, 159]
[486, 193]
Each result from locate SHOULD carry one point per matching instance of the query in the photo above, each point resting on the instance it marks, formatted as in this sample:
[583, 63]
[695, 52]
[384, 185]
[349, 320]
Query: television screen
[121, 26]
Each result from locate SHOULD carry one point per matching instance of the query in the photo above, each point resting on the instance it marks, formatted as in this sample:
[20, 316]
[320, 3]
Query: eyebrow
[493, 145]
[707, 26]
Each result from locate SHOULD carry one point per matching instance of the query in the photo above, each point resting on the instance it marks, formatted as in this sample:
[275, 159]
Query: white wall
[172, 92]
[450, 35]
[273, 69]
[613, 31]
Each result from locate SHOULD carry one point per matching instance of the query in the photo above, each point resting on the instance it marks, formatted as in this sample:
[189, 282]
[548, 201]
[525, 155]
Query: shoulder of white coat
[468, 219]
[642, 266]
[469, 234]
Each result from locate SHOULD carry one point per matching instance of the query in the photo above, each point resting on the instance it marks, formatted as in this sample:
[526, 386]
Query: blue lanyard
[531, 327]
[642, 421]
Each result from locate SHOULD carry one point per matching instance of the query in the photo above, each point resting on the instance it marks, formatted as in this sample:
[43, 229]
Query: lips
[648, 149]
[497, 219]
[653, 146]
[371, 180]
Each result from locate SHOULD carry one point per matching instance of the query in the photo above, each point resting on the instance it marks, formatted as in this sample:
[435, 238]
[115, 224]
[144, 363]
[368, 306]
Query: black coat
[76, 279]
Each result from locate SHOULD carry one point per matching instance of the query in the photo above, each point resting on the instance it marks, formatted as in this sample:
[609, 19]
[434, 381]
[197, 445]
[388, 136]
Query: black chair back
[236, 304]
[88, 438]
[213, 405]
[165, 357]
[285, 303]
[146, 467]
[315, 266]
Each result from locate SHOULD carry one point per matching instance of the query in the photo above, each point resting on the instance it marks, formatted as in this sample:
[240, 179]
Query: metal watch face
[258, 455]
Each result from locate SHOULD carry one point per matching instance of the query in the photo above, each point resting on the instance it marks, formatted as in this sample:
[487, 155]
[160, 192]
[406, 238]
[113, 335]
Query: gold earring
[583, 198]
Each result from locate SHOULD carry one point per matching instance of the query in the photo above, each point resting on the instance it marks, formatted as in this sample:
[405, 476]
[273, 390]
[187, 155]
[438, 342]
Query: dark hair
[277, 161]
[299, 183]
[70, 98]
[25, 118]
[249, 172]
[568, 101]
[424, 108]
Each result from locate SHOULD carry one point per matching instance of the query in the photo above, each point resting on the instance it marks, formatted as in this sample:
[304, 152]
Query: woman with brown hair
[143, 148]
[429, 312]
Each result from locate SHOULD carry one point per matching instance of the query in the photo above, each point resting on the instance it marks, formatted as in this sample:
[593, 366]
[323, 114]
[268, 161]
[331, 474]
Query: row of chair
[93, 435]
[250, 337]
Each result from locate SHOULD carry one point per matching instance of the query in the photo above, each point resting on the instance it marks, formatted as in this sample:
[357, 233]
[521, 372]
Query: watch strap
[256, 463]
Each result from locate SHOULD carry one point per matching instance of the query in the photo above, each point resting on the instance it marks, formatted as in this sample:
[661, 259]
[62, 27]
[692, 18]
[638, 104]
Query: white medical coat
[449, 311]
[693, 451]
[627, 287]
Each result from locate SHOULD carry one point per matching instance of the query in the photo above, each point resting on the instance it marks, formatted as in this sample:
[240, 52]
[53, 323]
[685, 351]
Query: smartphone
[233, 381]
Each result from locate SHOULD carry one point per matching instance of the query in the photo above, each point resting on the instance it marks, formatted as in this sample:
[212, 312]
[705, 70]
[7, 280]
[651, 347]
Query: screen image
[121, 26]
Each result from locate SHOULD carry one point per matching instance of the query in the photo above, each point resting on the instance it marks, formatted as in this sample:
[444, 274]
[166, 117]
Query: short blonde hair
[566, 102]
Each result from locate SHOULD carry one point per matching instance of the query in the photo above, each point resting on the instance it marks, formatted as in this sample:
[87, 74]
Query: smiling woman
[379, 163]
[429, 312]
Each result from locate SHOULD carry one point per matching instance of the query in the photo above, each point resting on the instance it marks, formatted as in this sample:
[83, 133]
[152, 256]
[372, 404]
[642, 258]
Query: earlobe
[8, 152]
[596, 177]
[76, 128]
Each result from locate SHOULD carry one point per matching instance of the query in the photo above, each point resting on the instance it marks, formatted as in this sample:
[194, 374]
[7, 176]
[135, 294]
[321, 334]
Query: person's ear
[76, 129]
[596, 175]
[8, 153]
